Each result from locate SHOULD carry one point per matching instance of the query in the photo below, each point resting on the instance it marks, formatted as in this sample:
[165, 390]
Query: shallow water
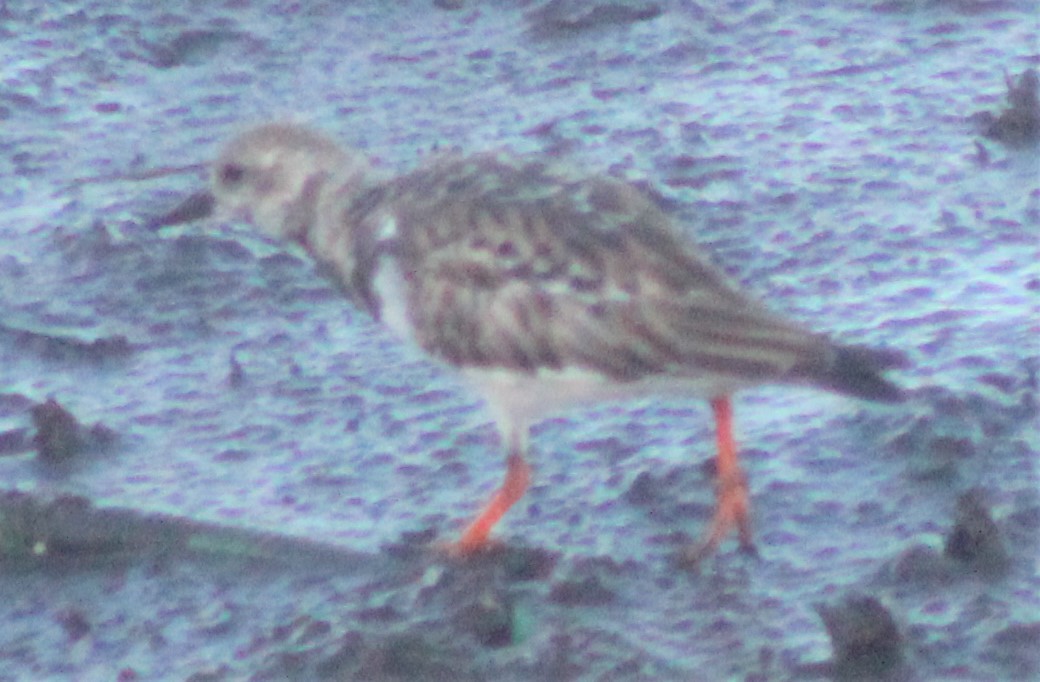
[822, 153]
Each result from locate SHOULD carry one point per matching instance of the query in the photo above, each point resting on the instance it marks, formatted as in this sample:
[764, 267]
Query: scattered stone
[922, 565]
[14, 442]
[342, 661]
[221, 673]
[406, 657]
[217, 618]
[643, 491]
[58, 347]
[236, 375]
[558, 18]
[528, 563]
[864, 637]
[412, 545]
[490, 620]
[975, 540]
[563, 658]
[512, 562]
[60, 438]
[187, 47]
[586, 591]
[1019, 124]
[1017, 648]
[74, 622]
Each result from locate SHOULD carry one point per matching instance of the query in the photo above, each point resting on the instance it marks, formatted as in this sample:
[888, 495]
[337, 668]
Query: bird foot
[463, 550]
[731, 512]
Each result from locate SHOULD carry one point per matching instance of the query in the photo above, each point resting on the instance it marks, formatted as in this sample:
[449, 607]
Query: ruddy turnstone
[544, 289]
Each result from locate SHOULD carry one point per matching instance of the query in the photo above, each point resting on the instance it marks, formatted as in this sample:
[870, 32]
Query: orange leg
[475, 537]
[731, 496]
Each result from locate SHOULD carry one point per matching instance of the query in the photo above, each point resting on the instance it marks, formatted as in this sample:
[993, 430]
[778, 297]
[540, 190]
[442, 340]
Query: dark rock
[490, 620]
[342, 661]
[528, 563]
[236, 375]
[566, 17]
[1019, 124]
[643, 491]
[405, 657]
[60, 438]
[975, 539]
[74, 622]
[187, 47]
[413, 544]
[864, 637]
[1017, 649]
[58, 347]
[14, 441]
[221, 673]
[587, 591]
[922, 565]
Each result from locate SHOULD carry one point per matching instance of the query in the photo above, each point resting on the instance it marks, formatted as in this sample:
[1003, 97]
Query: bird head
[274, 176]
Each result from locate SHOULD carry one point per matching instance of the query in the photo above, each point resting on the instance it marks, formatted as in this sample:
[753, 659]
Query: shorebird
[544, 289]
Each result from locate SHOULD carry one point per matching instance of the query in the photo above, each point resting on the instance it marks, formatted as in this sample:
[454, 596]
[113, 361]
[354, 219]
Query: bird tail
[857, 371]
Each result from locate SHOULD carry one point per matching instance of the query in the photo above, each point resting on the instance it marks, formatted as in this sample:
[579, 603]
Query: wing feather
[516, 264]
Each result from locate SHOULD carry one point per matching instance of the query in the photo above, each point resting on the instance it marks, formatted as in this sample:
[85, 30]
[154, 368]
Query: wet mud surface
[212, 468]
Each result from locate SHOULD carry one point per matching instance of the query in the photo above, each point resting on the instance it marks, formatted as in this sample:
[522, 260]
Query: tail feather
[857, 370]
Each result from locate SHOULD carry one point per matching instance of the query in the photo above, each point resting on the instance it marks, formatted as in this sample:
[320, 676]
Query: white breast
[391, 289]
[520, 398]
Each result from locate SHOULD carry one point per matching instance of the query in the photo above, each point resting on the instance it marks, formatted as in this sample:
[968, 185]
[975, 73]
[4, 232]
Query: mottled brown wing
[515, 264]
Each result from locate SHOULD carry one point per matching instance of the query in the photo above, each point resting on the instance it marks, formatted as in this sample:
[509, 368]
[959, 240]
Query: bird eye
[231, 174]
